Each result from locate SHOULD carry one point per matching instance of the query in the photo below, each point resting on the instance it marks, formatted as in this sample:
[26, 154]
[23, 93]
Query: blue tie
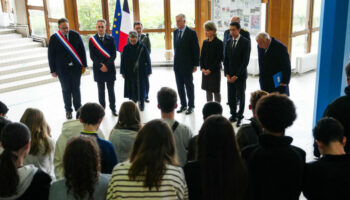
[180, 32]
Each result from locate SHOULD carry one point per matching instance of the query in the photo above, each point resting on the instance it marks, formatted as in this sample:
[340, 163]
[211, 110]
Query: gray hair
[102, 20]
[183, 17]
[263, 36]
[210, 26]
[133, 34]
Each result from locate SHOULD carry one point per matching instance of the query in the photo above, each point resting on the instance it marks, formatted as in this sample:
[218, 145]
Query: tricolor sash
[68, 47]
[96, 42]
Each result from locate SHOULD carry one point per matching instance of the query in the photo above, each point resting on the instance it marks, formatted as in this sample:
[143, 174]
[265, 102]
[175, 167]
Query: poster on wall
[249, 12]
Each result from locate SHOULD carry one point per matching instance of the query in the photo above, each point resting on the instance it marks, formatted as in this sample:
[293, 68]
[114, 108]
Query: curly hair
[81, 162]
[276, 112]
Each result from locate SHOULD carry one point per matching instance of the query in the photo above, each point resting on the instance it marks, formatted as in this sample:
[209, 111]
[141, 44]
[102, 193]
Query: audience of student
[3, 120]
[274, 165]
[339, 109]
[83, 179]
[328, 177]
[248, 134]
[70, 129]
[16, 180]
[210, 108]
[124, 133]
[167, 103]
[218, 172]
[91, 116]
[42, 146]
[152, 172]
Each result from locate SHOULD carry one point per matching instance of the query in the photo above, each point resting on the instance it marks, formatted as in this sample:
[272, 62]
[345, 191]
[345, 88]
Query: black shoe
[181, 109]
[233, 119]
[239, 121]
[114, 113]
[142, 107]
[147, 100]
[69, 115]
[189, 111]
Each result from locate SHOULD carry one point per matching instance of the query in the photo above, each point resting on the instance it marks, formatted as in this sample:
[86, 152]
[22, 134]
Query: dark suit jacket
[237, 59]
[97, 58]
[274, 60]
[186, 51]
[59, 57]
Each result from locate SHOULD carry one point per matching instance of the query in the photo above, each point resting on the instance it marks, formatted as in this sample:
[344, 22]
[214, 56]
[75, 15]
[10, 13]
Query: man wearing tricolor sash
[67, 60]
[103, 53]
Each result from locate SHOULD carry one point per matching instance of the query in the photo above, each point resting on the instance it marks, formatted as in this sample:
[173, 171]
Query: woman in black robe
[135, 74]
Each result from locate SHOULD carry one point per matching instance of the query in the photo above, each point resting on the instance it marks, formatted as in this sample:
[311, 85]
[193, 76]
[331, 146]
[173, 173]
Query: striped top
[173, 185]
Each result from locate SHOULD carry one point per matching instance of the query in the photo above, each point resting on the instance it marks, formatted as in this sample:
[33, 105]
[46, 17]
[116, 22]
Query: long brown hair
[81, 163]
[129, 117]
[153, 149]
[39, 129]
[224, 175]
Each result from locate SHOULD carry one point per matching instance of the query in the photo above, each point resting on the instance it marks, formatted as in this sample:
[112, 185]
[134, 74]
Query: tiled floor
[48, 98]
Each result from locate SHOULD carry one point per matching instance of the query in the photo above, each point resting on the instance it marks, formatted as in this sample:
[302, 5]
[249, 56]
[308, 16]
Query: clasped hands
[231, 79]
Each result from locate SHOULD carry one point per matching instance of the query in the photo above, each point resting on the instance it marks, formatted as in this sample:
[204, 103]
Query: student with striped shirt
[152, 172]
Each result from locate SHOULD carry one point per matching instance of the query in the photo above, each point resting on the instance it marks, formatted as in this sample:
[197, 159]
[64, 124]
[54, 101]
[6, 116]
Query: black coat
[340, 110]
[274, 60]
[59, 57]
[211, 57]
[97, 58]
[328, 178]
[186, 51]
[237, 59]
[276, 168]
[128, 70]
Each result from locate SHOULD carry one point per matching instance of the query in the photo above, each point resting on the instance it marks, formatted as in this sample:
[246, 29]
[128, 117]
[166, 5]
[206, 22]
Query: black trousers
[236, 91]
[70, 84]
[111, 95]
[185, 80]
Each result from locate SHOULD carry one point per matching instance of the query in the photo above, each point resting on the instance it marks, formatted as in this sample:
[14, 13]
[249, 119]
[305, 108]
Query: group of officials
[67, 60]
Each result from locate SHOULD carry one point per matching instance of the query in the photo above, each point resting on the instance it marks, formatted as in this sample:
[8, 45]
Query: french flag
[121, 25]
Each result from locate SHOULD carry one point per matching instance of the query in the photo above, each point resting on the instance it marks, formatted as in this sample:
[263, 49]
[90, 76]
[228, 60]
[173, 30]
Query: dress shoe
[189, 111]
[181, 109]
[69, 115]
[239, 121]
[114, 113]
[147, 100]
[233, 119]
[142, 107]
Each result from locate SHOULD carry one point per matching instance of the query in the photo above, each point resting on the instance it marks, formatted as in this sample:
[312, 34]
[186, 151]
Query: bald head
[236, 19]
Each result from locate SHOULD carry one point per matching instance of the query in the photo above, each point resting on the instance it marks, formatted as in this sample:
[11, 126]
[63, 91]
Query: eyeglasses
[100, 26]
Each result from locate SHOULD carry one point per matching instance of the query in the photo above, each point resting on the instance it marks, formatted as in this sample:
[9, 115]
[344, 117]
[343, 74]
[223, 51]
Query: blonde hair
[39, 130]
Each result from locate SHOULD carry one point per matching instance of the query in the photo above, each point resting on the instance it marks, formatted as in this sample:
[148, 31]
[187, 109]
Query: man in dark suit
[67, 65]
[144, 39]
[273, 59]
[186, 60]
[235, 68]
[103, 65]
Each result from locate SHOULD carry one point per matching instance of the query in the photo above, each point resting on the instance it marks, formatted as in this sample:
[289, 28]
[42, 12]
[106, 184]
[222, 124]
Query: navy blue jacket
[275, 60]
[107, 154]
[97, 58]
[59, 57]
[186, 51]
[243, 32]
[237, 59]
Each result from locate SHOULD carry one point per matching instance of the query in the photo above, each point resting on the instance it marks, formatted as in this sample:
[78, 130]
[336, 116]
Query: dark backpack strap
[175, 125]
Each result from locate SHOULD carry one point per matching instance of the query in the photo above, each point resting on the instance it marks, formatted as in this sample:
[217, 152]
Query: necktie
[66, 36]
[234, 44]
[180, 32]
[101, 38]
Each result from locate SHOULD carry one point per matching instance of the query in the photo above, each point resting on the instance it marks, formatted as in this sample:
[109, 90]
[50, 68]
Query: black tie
[234, 44]
[66, 36]
[101, 38]
[180, 34]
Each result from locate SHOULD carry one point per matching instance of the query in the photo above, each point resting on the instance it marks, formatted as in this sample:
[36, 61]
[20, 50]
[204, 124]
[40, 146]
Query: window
[37, 22]
[89, 11]
[306, 22]
[177, 7]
